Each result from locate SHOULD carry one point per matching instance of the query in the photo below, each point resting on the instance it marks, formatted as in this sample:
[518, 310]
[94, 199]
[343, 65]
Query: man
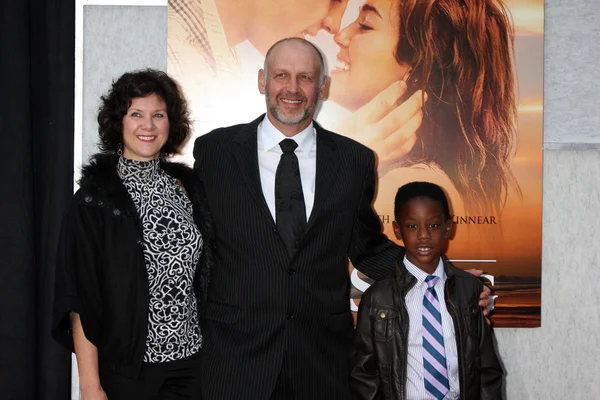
[277, 323]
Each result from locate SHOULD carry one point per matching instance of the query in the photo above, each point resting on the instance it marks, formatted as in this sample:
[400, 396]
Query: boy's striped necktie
[434, 356]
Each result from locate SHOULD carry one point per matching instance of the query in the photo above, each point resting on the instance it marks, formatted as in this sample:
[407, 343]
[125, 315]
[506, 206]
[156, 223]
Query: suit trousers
[174, 380]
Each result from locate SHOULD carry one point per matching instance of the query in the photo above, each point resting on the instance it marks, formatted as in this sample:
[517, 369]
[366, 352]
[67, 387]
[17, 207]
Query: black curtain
[36, 125]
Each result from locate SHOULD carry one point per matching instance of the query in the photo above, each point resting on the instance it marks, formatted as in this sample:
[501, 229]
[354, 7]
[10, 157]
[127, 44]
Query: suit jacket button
[289, 315]
[291, 271]
[88, 199]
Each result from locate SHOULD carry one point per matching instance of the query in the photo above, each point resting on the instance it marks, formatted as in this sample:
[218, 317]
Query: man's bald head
[281, 44]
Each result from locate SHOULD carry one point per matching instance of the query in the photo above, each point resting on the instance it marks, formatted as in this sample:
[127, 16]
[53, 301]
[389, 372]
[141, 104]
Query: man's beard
[307, 112]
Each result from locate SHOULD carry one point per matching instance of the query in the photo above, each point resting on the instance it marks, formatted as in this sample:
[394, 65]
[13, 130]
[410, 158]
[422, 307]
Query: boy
[420, 333]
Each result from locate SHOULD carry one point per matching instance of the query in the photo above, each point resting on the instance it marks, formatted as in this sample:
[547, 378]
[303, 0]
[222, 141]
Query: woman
[135, 251]
[458, 55]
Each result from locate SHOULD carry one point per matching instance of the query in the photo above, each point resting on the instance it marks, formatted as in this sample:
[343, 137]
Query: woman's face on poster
[365, 64]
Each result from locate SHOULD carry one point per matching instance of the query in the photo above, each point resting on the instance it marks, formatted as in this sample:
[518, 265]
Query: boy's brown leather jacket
[379, 353]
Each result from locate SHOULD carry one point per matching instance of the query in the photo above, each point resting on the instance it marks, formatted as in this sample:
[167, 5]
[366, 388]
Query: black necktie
[290, 212]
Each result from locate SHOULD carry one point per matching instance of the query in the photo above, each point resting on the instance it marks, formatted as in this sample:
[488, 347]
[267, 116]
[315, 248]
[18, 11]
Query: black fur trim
[100, 180]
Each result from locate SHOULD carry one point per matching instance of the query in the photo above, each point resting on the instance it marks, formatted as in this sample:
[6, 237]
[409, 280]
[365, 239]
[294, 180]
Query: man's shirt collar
[271, 137]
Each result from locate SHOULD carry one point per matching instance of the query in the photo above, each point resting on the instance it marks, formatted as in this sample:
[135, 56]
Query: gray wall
[558, 360]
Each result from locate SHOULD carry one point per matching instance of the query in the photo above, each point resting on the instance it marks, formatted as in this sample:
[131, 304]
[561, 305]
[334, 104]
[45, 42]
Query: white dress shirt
[269, 153]
[415, 385]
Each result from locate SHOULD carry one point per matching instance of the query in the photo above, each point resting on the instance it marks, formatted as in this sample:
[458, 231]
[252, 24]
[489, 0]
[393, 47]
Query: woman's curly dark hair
[142, 83]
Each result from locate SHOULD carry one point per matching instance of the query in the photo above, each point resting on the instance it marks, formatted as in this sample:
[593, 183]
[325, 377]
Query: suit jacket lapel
[326, 173]
[246, 154]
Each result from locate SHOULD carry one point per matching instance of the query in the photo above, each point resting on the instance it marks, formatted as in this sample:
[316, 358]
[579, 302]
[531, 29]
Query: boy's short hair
[421, 189]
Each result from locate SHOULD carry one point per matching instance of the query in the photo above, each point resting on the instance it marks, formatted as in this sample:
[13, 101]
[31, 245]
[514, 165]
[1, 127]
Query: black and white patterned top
[172, 248]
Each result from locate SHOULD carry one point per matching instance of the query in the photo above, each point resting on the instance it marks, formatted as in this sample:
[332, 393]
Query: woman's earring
[120, 151]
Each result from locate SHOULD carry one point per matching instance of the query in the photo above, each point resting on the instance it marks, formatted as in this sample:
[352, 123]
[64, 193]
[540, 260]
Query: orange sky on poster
[528, 16]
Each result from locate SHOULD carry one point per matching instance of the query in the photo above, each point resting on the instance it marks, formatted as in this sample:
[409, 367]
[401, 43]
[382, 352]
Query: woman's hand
[87, 363]
[95, 393]
[386, 126]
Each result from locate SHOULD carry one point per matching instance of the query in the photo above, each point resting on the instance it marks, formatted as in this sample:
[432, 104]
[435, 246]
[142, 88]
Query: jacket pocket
[470, 315]
[221, 312]
[384, 321]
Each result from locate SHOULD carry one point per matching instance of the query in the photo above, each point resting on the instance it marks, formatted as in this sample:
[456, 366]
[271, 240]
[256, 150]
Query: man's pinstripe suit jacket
[262, 304]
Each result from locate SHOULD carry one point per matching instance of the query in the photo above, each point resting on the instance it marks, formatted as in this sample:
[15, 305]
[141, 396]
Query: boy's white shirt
[415, 385]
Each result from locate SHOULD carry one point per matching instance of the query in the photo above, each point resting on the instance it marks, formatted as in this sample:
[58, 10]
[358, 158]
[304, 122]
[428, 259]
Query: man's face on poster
[281, 19]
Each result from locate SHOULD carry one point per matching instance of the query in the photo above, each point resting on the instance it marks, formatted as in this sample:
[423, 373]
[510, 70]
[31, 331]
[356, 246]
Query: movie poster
[448, 92]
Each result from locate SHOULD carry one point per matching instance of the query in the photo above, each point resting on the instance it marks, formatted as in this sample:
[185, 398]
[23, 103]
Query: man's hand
[387, 126]
[486, 301]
